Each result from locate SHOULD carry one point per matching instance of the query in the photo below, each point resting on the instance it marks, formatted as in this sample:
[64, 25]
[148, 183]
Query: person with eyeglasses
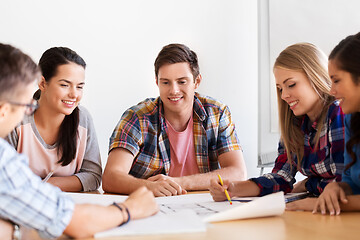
[25, 199]
[59, 137]
[30, 107]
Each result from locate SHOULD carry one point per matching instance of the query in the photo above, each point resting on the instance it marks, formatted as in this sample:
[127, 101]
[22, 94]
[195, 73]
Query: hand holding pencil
[219, 189]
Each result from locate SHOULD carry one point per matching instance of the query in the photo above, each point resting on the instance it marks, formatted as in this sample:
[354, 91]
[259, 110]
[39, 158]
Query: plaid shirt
[26, 200]
[322, 166]
[142, 131]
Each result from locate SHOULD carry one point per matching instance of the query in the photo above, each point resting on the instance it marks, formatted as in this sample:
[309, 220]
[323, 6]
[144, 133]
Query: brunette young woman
[344, 71]
[59, 138]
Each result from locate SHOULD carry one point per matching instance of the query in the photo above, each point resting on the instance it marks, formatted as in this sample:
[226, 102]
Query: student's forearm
[244, 189]
[353, 203]
[90, 219]
[202, 181]
[119, 182]
[235, 189]
[67, 184]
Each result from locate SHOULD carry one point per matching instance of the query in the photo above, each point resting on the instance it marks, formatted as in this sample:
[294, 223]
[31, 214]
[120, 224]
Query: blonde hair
[308, 59]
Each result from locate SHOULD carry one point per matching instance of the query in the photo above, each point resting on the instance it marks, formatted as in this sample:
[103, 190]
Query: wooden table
[290, 225]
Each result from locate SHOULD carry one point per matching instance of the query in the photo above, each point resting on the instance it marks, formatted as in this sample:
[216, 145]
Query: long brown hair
[306, 58]
[67, 139]
[346, 56]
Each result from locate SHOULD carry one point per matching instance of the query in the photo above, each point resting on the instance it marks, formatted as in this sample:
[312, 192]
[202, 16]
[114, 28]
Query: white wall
[119, 40]
[324, 24]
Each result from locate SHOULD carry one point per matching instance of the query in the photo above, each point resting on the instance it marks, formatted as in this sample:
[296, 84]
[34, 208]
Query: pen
[241, 200]
[226, 192]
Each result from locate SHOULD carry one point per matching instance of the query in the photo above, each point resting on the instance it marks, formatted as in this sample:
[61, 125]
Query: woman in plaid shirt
[312, 131]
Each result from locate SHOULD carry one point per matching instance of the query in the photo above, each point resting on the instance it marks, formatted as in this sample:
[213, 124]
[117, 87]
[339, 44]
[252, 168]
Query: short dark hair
[177, 53]
[16, 70]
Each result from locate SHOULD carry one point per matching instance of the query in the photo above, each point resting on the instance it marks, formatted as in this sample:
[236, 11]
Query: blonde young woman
[312, 131]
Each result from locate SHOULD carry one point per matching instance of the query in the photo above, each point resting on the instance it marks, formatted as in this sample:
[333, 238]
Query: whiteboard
[321, 22]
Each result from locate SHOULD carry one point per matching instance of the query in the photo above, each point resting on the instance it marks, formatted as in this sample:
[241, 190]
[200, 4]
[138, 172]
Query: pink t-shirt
[182, 151]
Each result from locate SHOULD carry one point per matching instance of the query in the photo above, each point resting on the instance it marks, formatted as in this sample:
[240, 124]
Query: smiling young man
[176, 142]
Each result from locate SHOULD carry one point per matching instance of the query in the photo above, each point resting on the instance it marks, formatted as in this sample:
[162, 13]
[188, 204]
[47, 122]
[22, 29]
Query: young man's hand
[162, 185]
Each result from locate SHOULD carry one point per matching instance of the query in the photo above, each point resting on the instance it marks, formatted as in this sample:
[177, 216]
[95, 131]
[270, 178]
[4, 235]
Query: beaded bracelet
[121, 209]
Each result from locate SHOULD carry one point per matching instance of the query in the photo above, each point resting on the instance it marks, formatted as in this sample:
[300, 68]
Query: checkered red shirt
[141, 130]
[322, 166]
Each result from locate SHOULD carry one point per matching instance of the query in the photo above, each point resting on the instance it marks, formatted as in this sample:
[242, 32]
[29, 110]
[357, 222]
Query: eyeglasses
[30, 107]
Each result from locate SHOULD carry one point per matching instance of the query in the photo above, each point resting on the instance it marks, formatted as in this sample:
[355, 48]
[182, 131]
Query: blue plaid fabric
[26, 200]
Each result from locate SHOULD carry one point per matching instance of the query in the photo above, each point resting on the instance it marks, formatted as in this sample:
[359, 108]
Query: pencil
[226, 192]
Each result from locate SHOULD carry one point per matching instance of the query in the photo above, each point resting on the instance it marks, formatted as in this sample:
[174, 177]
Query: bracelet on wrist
[122, 208]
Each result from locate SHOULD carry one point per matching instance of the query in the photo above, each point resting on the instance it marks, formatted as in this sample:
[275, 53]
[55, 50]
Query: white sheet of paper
[181, 222]
[187, 198]
[269, 205]
[187, 213]
[100, 199]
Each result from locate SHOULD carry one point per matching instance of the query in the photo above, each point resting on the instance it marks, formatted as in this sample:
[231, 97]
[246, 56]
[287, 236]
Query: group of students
[169, 145]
